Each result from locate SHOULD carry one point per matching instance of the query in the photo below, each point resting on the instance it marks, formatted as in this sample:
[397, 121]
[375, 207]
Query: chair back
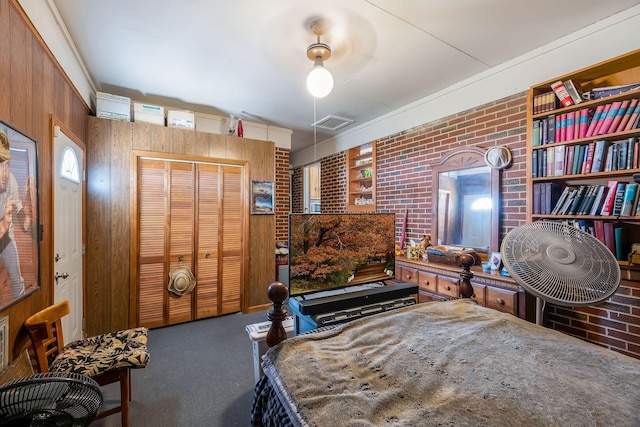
[45, 330]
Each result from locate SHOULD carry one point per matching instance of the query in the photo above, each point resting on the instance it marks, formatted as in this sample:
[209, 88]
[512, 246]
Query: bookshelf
[361, 178]
[568, 148]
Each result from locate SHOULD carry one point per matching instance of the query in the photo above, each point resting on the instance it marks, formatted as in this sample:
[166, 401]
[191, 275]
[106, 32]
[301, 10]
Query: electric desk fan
[50, 399]
[560, 264]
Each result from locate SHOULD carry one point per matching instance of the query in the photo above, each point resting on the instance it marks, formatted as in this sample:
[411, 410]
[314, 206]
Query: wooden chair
[106, 358]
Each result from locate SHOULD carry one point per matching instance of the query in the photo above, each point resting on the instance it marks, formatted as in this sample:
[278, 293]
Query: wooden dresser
[440, 281]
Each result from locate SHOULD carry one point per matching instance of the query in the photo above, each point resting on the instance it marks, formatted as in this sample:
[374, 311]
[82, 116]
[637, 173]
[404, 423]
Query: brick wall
[404, 168]
[297, 190]
[283, 194]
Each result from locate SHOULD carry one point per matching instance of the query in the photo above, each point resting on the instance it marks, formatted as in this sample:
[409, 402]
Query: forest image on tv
[328, 251]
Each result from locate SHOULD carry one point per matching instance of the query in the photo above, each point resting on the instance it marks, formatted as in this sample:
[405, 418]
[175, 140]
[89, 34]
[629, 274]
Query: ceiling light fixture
[319, 80]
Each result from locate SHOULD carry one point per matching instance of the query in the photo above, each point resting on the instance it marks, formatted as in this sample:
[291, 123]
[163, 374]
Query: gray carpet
[200, 374]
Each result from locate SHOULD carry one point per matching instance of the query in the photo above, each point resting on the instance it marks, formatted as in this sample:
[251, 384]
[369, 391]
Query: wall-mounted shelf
[361, 178]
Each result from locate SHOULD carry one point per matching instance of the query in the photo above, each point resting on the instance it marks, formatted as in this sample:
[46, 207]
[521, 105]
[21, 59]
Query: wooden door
[181, 235]
[207, 239]
[232, 237]
[189, 214]
[151, 243]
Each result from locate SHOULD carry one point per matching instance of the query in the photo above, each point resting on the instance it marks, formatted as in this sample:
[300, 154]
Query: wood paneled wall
[109, 156]
[33, 91]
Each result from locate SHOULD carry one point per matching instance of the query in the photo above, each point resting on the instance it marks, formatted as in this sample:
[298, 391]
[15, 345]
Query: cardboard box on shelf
[180, 119]
[114, 107]
[148, 113]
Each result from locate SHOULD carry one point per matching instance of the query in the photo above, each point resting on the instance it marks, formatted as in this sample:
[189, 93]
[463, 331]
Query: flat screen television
[333, 251]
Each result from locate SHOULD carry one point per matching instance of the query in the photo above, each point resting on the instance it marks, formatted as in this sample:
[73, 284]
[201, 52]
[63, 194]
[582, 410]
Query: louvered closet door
[207, 240]
[181, 234]
[231, 244]
[152, 229]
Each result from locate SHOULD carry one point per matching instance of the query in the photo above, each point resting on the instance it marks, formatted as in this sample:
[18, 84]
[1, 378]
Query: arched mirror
[465, 201]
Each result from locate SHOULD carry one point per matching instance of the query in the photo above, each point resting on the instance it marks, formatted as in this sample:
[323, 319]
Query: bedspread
[449, 363]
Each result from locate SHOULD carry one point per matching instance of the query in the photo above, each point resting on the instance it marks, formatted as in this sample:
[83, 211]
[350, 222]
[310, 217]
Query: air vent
[332, 123]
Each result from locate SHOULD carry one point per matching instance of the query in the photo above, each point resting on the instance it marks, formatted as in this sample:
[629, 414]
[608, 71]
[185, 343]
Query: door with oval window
[67, 240]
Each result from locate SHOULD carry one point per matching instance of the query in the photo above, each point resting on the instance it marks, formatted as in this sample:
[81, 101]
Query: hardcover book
[630, 199]
[618, 199]
[594, 120]
[609, 118]
[575, 90]
[607, 206]
[627, 115]
[562, 94]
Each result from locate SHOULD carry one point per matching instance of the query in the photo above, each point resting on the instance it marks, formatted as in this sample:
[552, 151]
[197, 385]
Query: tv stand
[312, 313]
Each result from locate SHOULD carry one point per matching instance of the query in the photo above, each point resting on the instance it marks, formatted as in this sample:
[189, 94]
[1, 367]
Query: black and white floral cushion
[103, 353]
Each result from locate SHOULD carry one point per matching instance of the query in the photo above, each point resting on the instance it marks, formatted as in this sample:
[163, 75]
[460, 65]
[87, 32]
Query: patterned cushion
[103, 353]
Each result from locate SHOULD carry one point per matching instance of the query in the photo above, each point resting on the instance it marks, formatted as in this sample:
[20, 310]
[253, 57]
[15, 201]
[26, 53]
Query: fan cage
[560, 263]
[57, 398]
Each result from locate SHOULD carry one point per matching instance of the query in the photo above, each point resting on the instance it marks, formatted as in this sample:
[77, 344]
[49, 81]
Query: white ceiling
[248, 57]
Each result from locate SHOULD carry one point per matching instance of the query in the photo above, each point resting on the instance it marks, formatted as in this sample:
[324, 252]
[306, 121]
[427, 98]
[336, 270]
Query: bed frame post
[277, 293]
[466, 261]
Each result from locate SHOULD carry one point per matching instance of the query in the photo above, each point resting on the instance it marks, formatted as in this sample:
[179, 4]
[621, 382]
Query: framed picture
[4, 342]
[19, 216]
[495, 260]
[262, 197]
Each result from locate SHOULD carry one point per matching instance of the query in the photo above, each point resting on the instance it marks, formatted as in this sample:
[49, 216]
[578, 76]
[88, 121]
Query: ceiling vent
[332, 123]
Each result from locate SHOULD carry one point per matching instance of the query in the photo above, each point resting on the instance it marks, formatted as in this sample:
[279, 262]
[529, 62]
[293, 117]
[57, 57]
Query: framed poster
[262, 197]
[19, 216]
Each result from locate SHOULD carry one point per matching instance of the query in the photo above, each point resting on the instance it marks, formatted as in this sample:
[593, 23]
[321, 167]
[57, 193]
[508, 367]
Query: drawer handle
[408, 276]
[500, 301]
[447, 287]
[426, 283]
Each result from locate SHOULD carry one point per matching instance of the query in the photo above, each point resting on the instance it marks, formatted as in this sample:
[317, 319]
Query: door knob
[61, 276]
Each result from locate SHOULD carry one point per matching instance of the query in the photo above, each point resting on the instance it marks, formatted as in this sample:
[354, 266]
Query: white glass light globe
[319, 82]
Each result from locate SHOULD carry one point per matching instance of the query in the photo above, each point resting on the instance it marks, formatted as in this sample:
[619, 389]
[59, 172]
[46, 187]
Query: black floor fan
[50, 399]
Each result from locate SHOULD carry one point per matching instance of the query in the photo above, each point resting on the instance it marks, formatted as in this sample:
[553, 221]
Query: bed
[444, 363]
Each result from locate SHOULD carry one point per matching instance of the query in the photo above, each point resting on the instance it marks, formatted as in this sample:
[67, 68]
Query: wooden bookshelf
[361, 178]
[618, 71]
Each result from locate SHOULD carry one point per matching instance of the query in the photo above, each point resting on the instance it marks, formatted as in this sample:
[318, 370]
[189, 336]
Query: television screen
[332, 251]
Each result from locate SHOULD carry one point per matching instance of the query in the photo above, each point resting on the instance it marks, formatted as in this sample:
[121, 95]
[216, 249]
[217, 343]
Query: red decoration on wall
[240, 131]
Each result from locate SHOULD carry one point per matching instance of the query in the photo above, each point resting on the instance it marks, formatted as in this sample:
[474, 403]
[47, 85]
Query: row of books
[613, 235]
[570, 92]
[608, 118]
[614, 199]
[596, 156]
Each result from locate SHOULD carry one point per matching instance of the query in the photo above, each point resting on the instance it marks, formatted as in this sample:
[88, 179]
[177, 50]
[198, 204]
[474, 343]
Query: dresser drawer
[502, 300]
[478, 293]
[448, 286]
[427, 281]
[407, 274]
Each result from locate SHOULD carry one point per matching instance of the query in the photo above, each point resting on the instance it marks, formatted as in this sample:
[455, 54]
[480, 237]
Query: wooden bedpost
[277, 293]
[466, 261]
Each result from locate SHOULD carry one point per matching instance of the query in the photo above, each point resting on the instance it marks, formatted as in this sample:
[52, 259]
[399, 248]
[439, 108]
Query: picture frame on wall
[262, 197]
[19, 216]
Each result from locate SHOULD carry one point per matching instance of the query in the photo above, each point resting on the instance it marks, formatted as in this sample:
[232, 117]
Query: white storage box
[114, 107]
[148, 113]
[181, 119]
[258, 335]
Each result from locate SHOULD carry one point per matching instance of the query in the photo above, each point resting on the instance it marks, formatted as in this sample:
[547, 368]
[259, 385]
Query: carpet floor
[200, 373]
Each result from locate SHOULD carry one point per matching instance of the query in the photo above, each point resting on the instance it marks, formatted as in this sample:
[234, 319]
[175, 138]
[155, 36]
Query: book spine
[583, 123]
[608, 120]
[603, 116]
[618, 199]
[535, 133]
[594, 120]
[570, 125]
[561, 200]
[575, 91]
[607, 206]
[619, 115]
[534, 164]
[558, 156]
[630, 192]
[562, 94]
[597, 202]
[589, 158]
[634, 116]
[537, 198]
[551, 129]
[561, 127]
[627, 115]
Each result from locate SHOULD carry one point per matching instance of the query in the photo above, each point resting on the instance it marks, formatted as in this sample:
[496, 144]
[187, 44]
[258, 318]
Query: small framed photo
[262, 197]
[495, 260]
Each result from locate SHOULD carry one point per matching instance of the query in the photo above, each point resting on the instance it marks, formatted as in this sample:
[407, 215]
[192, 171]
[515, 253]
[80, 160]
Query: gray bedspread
[451, 363]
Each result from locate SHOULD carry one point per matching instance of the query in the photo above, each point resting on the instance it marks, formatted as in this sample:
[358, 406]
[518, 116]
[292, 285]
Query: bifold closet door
[189, 214]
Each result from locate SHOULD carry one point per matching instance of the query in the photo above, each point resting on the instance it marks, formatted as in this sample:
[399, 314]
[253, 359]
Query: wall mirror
[465, 201]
